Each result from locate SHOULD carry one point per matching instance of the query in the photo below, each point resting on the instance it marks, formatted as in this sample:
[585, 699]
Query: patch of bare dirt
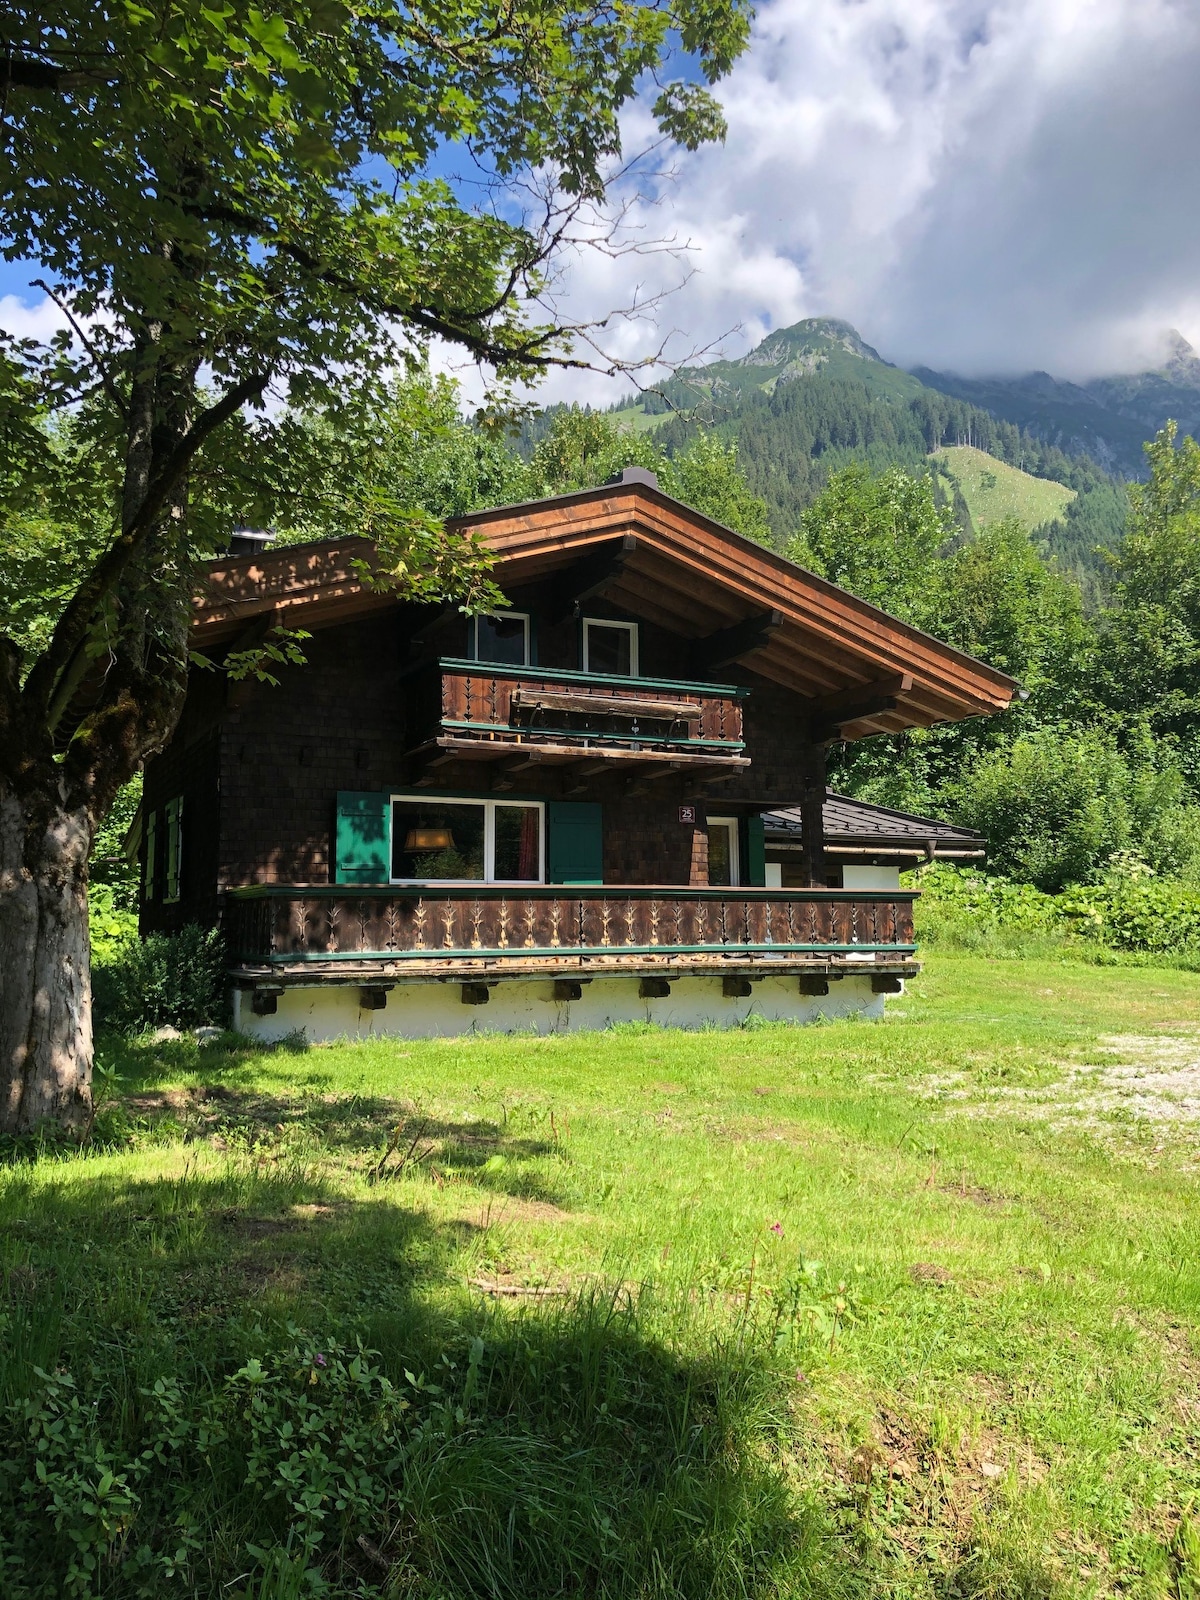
[929, 1272]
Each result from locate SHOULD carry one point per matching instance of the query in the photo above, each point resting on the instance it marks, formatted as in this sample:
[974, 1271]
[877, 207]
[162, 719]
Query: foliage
[112, 926]
[878, 535]
[1056, 804]
[1128, 909]
[109, 866]
[1149, 667]
[584, 448]
[165, 980]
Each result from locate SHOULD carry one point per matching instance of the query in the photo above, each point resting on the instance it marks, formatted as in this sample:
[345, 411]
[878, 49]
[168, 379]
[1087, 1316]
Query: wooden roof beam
[587, 578]
[727, 645]
[831, 712]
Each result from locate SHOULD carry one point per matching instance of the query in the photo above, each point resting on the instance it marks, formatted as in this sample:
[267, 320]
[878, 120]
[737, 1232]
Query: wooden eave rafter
[684, 572]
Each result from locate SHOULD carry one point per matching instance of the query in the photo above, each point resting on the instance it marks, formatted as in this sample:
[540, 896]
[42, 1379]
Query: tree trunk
[45, 976]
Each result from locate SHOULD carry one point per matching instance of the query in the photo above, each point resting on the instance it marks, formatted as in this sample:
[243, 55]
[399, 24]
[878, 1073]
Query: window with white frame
[467, 841]
[501, 638]
[610, 647]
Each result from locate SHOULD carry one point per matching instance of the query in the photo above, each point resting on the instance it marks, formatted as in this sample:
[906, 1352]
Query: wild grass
[902, 1309]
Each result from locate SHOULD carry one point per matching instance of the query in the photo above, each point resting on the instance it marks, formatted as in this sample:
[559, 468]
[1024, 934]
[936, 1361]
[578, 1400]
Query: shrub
[112, 927]
[1127, 911]
[1055, 808]
[168, 979]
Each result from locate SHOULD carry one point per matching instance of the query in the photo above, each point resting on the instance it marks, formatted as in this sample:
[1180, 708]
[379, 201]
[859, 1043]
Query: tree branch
[110, 388]
[76, 621]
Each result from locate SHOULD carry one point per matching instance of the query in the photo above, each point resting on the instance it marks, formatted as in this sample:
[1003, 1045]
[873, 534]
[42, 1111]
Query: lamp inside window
[429, 839]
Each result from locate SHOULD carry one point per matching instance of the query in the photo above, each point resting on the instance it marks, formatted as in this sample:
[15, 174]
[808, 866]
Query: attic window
[610, 648]
[501, 638]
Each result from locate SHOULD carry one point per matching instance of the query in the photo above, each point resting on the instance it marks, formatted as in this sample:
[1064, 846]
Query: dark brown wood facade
[719, 721]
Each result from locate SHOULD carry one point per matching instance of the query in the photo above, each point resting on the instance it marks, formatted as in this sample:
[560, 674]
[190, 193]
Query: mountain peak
[815, 336]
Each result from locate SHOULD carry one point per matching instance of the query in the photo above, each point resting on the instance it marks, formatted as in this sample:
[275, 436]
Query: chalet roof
[863, 669]
[858, 822]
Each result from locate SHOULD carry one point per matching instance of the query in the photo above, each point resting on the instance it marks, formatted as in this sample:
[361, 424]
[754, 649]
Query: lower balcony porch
[412, 960]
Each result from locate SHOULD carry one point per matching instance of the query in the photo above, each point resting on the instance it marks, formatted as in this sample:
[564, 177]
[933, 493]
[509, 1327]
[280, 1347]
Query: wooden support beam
[587, 578]
[812, 814]
[813, 986]
[565, 989]
[885, 983]
[728, 645]
[640, 784]
[735, 988]
[475, 994]
[578, 776]
[829, 713]
[373, 996]
[654, 988]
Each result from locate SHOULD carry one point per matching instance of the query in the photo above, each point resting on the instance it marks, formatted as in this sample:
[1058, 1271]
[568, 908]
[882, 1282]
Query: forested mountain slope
[812, 398]
[1109, 419]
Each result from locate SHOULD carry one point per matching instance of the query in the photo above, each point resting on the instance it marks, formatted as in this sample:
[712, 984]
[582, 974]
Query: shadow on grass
[183, 1355]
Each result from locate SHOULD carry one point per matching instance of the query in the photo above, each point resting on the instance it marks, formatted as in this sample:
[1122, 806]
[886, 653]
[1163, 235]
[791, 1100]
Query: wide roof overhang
[676, 568]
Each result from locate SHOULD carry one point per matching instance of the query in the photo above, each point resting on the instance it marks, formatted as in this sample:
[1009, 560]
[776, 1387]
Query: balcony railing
[448, 930]
[488, 712]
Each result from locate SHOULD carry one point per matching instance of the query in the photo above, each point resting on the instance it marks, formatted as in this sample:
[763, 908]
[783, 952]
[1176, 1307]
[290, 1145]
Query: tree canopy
[243, 214]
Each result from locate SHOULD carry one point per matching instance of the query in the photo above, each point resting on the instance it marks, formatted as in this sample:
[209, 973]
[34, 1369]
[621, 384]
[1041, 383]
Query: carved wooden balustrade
[458, 929]
[489, 712]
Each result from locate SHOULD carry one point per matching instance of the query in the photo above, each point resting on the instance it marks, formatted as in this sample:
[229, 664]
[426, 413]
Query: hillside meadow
[995, 490]
[903, 1309]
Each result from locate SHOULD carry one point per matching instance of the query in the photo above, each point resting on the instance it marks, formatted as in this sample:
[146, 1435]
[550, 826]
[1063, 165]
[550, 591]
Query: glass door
[723, 852]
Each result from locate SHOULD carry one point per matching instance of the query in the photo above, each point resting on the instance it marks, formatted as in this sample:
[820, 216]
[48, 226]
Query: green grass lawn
[897, 1309]
[994, 490]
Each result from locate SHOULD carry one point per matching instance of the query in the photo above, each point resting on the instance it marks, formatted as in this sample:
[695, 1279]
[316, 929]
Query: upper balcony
[533, 715]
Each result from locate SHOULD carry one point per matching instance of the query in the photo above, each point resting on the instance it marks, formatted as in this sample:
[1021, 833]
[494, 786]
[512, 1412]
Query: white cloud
[988, 185]
[23, 320]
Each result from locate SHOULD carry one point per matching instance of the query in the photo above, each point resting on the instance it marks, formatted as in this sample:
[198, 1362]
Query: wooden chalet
[556, 811]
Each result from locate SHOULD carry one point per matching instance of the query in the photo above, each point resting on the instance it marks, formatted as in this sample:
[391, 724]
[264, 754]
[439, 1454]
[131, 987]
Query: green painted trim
[724, 691]
[578, 734]
[522, 953]
[435, 890]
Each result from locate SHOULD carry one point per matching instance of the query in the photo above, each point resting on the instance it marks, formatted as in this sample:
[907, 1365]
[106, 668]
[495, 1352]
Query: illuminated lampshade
[429, 839]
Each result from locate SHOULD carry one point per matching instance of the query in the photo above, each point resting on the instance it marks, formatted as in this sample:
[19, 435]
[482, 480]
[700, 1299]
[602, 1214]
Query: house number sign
[687, 813]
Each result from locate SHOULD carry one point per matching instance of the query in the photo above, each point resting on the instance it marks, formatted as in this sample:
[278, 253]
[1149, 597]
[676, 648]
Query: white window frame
[734, 827]
[489, 836]
[631, 628]
[500, 616]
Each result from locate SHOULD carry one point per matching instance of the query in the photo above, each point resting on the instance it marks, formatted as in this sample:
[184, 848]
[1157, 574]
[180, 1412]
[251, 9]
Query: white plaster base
[524, 1005]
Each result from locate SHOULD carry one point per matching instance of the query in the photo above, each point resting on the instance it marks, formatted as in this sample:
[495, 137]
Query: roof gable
[679, 569]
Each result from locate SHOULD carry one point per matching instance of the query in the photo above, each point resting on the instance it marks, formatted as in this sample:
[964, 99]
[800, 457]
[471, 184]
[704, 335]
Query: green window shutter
[575, 846]
[151, 875]
[756, 853]
[363, 838]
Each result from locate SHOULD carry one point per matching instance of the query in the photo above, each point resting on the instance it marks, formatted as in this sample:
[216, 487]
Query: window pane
[436, 841]
[500, 640]
[720, 862]
[609, 650]
[518, 844]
